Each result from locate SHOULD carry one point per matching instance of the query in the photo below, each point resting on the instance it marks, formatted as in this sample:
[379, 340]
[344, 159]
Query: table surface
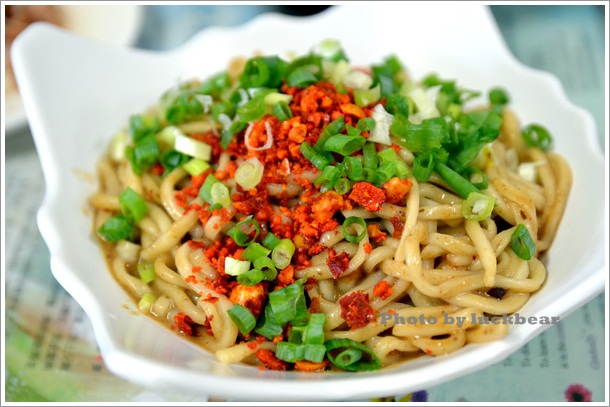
[52, 355]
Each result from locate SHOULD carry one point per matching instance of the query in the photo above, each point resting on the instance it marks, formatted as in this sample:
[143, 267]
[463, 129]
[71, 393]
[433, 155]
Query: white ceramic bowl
[78, 93]
[117, 25]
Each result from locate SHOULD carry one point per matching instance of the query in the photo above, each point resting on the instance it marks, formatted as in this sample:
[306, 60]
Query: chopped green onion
[117, 146]
[132, 204]
[251, 277]
[192, 147]
[282, 111]
[301, 77]
[172, 159]
[227, 134]
[348, 357]
[265, 264]
[314, 332]
[318, 160]
[242, 231]
[427, 135]
[344, 145]
[367, 361]
[265, 71]
[144, 154]
[498, 96]
[243, 318]
[536, 135]
[288, 304]
[477, 177]
[220, 195]
[146, 272]
[369, 154]
[365, 97]
[366, 124]
[353, 168]
[389, 154]
[196, 166]
[184, 107]
[250, 173]
[329, 176]
[386, 171]
[141, 125]
[478, 206]
[343, 186]
[458, 183]
[234, 267]
[254, 251]
[252, 110]
[267, 326]
[383, 122]
[402, 171]
[350, 221]
[397, 104]
[118, 227]
[147, 301]
[522, 243]
[270, 241]
[331, 129]
[293, 352]
[282, 253]
[423, 166]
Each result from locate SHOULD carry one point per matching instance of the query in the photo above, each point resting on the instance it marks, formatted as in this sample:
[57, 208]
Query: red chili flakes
[185, 324]
[314, 305]
[375, 233]
[396, 190]
[337, 263]
[158, 169]
[268, 359]
[252, 345]
[368, 248]
[382, 290]
[356, 309]
[196, 244]
[399, 225]
[368, 196]
[285, 277]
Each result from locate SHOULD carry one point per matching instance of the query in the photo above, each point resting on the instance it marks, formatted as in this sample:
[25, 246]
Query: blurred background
[50, 351]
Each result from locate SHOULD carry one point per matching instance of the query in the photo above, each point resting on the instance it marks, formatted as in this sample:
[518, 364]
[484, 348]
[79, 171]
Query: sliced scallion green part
[243, 318]
[265, 264]
[132, 204]
[270, 241]
[314, 332]
[117, 227]
[351, 360]
[147, 301]
[317, 159]
[522, 243]
[423, 165]
[195, 166]
[282, 253]
[478, 206]
[343, 144]
[343, 186]
[369, 154]
[146, 272]
[477, 177]
[254, 251]
[282, 111]
[459, 184]
[536, 135]
[354, 220]
[243, 230]
[251, 277]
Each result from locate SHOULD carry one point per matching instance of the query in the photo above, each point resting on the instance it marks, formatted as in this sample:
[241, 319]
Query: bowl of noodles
[327, 218]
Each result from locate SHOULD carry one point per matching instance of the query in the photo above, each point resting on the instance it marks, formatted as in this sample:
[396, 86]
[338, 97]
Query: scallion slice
[343, 186]
[267, 326]
[314, 332]
[243, 318]
[317, 159]
[344, 145]
[478, 206]
[522, 243]
[147, 301]
[270, 241]
[367, 361]
[353, 168]
[117, 227]
[242, 232]
[536, 135]
[220, 195]
[251, 277]
[234, 267]
[192, 147]
[132, 204]
[146, 272]
[252, 110]
[301, 77]
[351, 221]
[254, 251]
[265, 264]
[282, 253]
[369, 154]
[477, 177]
[250, 173]
[282, 111]
[288, 304]
[423, 165]
[195, 166]
[459, 184]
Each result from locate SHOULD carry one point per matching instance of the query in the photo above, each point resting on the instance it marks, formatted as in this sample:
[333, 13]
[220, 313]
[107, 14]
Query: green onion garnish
[282, 111]
[387, 155]
[293, 352]
[282, 253]
[333, 128]
[301, 77]
[251, 277]
[250, 173]
[365, 97]
[235, 267]
[498, 96]
[132, 204]
[252, 110]
[318, 160]
[353, 168]
[265, 264]
[267, 326]
[459, 184]
[423, 166]
[254, 251]
[242, 231]
[243, 318]
[118, 227]
[350, 221]
[343, 186]
[352, 360]
[314, 331]
[477, 177]
[147, 301]
[146, 272]
[195, 166]
[344, 145]
[270, 241]
[522, 243]
[288, 304]
[536, 135]
[478, 206]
